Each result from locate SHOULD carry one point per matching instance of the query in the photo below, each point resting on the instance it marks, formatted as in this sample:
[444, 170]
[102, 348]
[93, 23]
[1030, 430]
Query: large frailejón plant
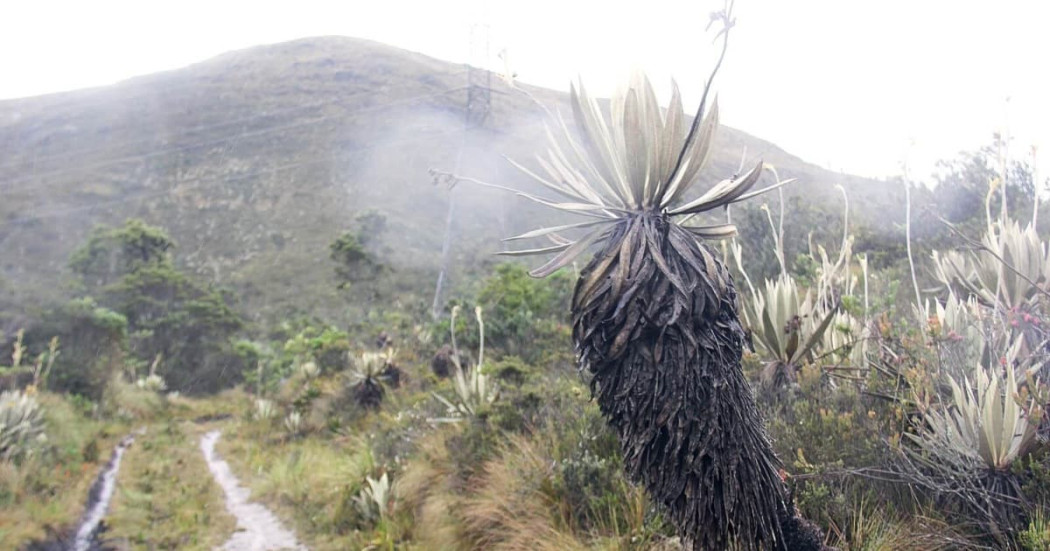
[654, 314]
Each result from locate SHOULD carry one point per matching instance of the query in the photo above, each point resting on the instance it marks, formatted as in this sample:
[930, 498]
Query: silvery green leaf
[653, 129]
[816, 336]
[557, 239]
[569, 254]
[555, 229]
[720, 231]
[723, 193]
[673, 122]
[766, 189]
[585, 209]
[569, 177]
[561, 189]
[584, 160]
[694, 157]
[530, 252]
[634, 139]
[598, 139]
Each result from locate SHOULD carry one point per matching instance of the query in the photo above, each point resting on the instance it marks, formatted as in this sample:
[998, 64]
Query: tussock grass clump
[558, 485]
[511, 506]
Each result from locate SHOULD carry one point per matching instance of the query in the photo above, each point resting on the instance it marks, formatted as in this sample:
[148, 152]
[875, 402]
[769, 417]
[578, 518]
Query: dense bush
[130, 270]
[326, 345]
[93, 346]
[527, 317]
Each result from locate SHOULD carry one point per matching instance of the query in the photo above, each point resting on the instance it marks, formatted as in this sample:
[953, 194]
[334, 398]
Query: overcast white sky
[857, 86]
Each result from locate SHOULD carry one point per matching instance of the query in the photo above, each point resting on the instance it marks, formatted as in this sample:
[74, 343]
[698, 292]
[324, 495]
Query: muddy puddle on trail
[87, 535]
[99, 497]
[257, 528]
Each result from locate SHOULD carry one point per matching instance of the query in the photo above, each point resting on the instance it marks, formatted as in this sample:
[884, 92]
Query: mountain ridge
[255, 160]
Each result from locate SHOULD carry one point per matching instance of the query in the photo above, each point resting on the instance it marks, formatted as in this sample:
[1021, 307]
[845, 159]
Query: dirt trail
[258, 529]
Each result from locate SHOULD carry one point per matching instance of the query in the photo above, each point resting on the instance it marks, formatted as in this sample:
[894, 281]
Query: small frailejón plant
[153, 382]
[309, 370]
[366, 377]
[1003, 270]
[293, 424]
[654, 314]
[474, 389]
[794, 326]
[989, 335]
[264, 410]
[788, 326]
[964, 447]
[21, 424]
[19, 350]
[987, 425]
[374, 501]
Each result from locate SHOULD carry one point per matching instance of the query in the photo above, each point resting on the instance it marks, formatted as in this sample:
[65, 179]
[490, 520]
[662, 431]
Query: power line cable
[187, 131]
[270, 130]
[198, 182]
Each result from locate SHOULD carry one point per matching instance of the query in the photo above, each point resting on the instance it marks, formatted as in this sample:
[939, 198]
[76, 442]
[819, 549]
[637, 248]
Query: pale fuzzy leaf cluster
[788, 324]
[792, 326]
[152, 383]
[374, 500]
[264, 409]
[21, 424]
[637, 158]
[1004, 272]
[846, 338]
[984, 421]
[369, 365]
[309, 370]
[970, 333]
[1004, 276]
[473, 388]
[42, 368]
[955, 315]
[958, 324]
[293, 423]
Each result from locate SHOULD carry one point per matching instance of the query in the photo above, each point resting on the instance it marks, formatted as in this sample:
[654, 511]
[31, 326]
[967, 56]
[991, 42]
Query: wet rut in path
[86, 535]
[258, 528]
[98, 497]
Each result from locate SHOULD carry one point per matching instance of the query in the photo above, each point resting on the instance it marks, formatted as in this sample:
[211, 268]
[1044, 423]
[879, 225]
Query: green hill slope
[256, 160]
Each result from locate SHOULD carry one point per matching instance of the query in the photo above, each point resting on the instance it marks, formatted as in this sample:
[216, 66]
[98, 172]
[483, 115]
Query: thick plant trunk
[369, 394]
[655, 324]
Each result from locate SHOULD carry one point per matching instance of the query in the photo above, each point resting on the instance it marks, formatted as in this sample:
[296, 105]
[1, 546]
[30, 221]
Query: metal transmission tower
[475, 114]
[479, 78]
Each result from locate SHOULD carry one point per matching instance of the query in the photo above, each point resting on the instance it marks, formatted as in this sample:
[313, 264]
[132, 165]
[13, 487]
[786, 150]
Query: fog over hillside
[256, 160]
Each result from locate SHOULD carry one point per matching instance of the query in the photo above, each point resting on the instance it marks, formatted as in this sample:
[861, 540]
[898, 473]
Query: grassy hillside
[256, 160]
